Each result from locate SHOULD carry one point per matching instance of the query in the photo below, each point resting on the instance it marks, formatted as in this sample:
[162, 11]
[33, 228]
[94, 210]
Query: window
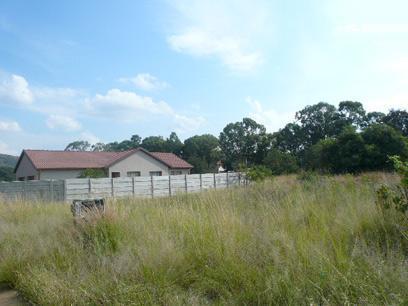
[155, 173]
[133, 173]
[176, 172]
[115, 174]
[21, 178]
[31, 178]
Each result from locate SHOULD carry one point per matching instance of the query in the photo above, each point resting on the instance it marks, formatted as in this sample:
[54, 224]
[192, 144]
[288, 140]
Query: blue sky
[105, 70]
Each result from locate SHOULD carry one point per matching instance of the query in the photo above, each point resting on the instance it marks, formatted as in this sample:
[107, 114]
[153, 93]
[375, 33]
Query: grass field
[282, 242]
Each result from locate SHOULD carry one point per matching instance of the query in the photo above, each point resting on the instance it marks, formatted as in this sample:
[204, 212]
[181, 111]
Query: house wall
[138, 161]
[26, 168]
[59, 174]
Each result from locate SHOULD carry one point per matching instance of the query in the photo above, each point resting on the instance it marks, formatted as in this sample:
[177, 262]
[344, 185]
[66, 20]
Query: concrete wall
[26, 168]
[183, 171]
[138, 161]
[59, 174]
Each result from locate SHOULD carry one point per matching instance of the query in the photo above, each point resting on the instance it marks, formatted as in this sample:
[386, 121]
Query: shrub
[258, 173]
[397, 197]
[92, 173]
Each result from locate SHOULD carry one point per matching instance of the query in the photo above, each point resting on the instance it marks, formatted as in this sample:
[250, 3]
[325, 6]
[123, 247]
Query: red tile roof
[43, 159]
[171, 160]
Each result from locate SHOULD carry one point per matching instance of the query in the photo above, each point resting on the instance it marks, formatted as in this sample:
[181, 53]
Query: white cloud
[231, 31]
[145, 81]
[15, 89]
[270, 118]
[201, 43]
[128, 106]
[63, 122]
[121, 102]
[9, 126]
[88, 136]
[5, 149]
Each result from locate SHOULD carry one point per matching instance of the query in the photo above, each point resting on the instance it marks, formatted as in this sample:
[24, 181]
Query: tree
[154, 144]
[99, 147]
[351, 113]
[383, 141]
[79, 145]
[318, 156]
[6, 174]
[244, 142]
[173, 144]
[317, 122]
[373, 118]
[136, 140]
[203, 152]
[398, 119]
[347, 153]
[290, 139]
[280, 162]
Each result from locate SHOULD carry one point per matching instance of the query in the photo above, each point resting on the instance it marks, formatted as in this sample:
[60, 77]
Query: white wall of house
[138, 162]
[59, 174]
[26, 169]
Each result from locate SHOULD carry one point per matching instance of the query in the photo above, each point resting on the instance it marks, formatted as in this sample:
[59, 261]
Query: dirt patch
[9, 297]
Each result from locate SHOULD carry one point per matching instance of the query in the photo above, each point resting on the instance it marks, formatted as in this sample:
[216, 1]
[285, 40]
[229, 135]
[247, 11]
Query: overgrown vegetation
[288, 241]
[322, 138]
[396, 197]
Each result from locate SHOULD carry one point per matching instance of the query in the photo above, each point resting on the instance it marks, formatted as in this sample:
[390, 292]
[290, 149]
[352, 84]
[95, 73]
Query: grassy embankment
[282, 242]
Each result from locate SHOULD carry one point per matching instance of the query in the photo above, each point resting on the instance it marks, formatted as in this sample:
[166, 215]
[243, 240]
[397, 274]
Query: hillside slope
[8, 160]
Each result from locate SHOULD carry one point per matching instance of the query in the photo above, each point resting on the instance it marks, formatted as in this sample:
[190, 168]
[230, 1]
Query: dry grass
[320, 241]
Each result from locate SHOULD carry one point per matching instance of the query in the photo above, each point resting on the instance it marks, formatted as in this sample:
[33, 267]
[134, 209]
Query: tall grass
[319, 241]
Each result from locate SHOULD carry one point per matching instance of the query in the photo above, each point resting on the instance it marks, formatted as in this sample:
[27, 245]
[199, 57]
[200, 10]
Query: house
[43, 164]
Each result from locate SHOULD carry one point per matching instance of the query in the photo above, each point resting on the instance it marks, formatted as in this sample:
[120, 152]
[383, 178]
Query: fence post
[185, 182]
[169, 185]
[51, 183]
[201, 182]
[133, 186]
[215, 182]
[151, 185]
[113, 188]
[239, 178]
[24, 190]
[89, 188]
[227, 180]
[64, 190]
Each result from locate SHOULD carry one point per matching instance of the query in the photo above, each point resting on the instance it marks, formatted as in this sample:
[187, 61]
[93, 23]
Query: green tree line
[323, 137]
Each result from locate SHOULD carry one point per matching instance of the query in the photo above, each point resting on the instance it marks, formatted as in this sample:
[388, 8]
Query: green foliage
[317, 122]
[8, 160]
[203, 152]
[7, 174]
[280, 162]
[92, 173]
[396, 198]
[323, 138]
[351, 113]
[258, 173]
[398, 119]
[244, 142]
[382, 141]
[80, 145]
